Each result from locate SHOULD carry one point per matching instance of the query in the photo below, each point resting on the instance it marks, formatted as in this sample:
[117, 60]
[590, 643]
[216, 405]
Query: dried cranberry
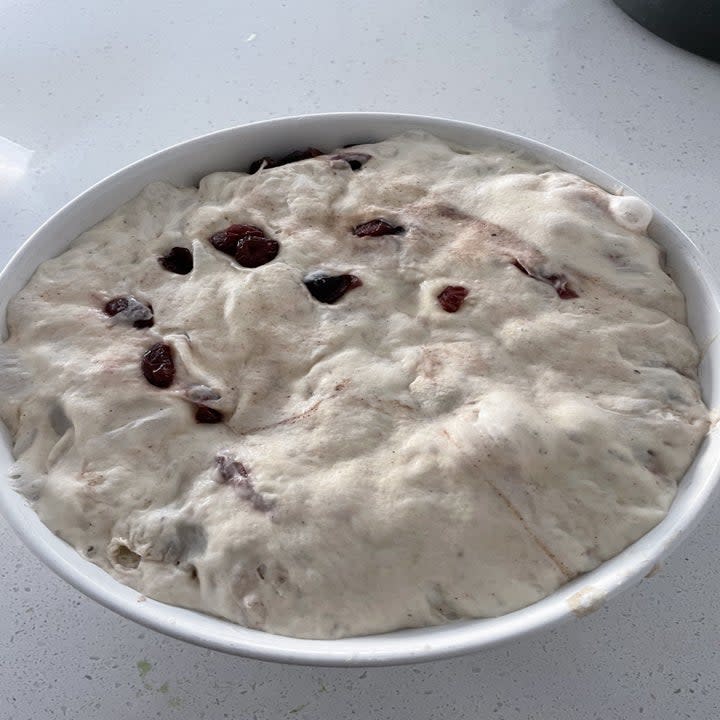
[297, 155]
[377, 227]
[263, 162]
[255, 251]
[330, 288]
[227, 240]
[559, 281]
[116, 305]
[452, 298]
[179, 260]
[229, 469]
[149, 322]
[205, 414]
[354, 160]
[234, 473]
[130, 310]
[158, 366]
[294, 156]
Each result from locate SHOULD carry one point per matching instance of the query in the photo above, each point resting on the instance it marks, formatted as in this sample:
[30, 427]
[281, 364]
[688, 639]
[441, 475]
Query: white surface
[85, 91]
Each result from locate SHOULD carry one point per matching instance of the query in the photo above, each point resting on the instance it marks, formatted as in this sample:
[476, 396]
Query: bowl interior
[235, 148]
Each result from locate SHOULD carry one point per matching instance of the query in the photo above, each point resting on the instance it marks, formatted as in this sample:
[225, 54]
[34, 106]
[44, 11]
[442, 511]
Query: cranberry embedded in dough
[330, 288]
[452, 298]
[376, 228]
[266, 163]
[354, 159]
[179, 261]
[254, 251]
[158, 366]
[227, 240]
[130, 310]
[559, 281]
[207, 415]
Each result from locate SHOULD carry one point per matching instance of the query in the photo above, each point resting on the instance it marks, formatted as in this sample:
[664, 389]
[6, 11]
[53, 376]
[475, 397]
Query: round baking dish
[185, 164]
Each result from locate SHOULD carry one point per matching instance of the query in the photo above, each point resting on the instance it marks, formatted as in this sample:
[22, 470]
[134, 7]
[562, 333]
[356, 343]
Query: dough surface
[382, 462]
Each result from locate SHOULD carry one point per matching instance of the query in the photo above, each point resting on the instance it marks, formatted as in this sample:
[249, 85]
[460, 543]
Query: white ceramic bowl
[185, 164]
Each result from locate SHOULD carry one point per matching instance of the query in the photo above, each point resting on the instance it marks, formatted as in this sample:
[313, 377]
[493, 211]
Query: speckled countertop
[86, 88]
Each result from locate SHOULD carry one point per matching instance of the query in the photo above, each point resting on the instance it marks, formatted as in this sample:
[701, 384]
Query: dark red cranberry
[115, 306]
[179, 260]
[297, 155]
[263, 162]
[452, 298]
[559, 281]
[354, 160]
[205, 414]
[330, 288]
[255, 251]
[294, 156]
[158, 366]
[149, 322]
[234, 473]
[376, 228]
[227, 240]
[230, 470]
[130, 310]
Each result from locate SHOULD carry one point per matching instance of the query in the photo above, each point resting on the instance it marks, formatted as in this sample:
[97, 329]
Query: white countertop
[86, 88]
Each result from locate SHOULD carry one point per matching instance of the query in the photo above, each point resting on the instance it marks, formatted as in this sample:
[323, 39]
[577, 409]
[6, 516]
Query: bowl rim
[577, 598]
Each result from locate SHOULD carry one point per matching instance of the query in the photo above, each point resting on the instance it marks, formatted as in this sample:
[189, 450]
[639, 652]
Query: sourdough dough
[382, 462]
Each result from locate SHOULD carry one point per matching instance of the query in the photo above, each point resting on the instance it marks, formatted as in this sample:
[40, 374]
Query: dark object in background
[693, 25]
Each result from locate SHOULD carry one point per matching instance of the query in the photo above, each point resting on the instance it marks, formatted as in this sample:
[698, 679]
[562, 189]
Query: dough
[446, 414]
